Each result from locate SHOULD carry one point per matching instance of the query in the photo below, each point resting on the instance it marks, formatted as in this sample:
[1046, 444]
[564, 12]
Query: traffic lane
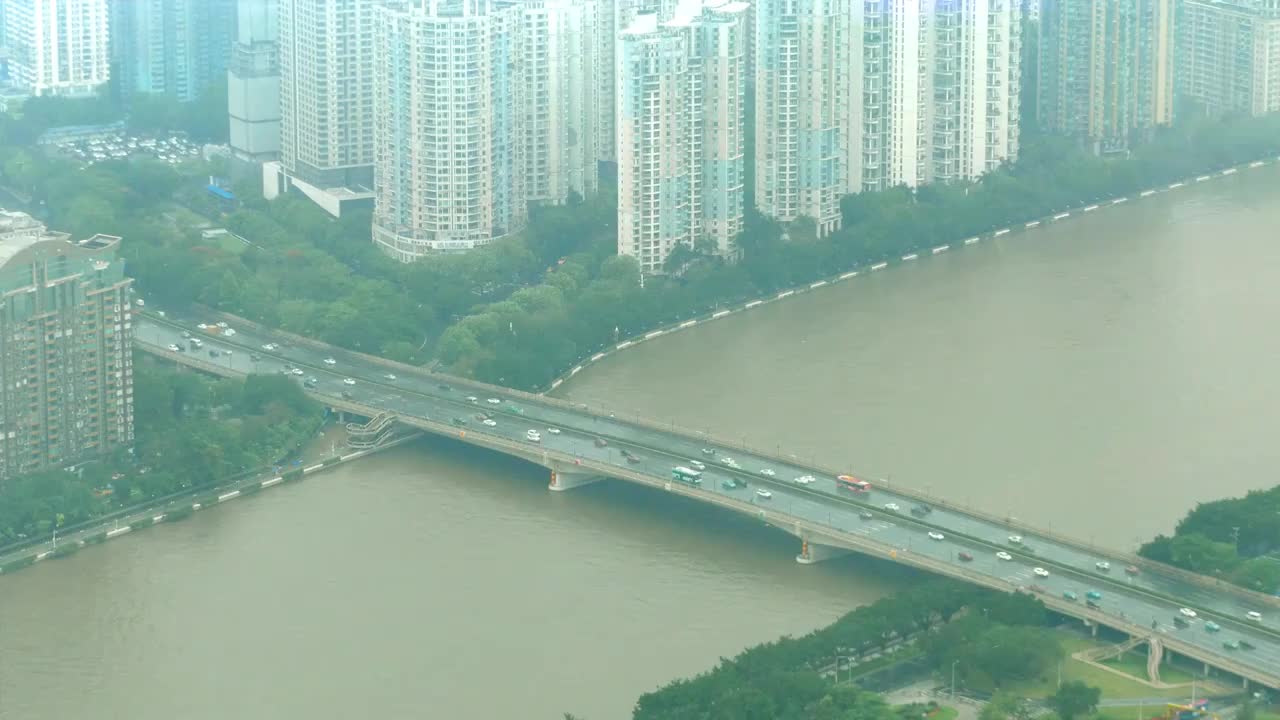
[954, 522]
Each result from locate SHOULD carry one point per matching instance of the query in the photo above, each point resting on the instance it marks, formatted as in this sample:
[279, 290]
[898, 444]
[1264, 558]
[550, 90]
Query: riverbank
[959, 244]
[175, 510]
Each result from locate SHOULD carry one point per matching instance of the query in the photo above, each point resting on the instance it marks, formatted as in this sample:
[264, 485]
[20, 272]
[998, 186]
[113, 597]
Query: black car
[921, 510]
[346, 395]
[442, 386]
[458, 421]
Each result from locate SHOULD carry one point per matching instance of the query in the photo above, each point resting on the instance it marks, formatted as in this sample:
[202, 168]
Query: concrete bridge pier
[569, 479]
[814, 552]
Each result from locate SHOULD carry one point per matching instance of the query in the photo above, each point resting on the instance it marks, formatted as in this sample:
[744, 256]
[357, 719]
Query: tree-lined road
[1150, 599]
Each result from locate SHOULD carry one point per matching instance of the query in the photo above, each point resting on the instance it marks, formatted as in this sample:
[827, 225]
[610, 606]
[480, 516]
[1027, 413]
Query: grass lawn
[1113, 686]
[1136, 665]
[944, 713]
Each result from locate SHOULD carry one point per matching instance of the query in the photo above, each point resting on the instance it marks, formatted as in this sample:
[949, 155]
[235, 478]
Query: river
[1100, 375]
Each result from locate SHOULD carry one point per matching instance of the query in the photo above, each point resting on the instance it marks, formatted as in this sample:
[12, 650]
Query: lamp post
[953, 678]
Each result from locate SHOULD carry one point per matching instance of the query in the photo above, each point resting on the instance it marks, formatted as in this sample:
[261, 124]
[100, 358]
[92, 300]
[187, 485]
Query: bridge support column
[562, 480]
[812, 552]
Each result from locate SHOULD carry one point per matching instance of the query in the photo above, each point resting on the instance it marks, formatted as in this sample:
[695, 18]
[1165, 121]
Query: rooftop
[19, 231]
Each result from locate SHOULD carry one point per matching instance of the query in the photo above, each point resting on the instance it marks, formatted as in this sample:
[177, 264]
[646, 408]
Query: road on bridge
[1150, 599]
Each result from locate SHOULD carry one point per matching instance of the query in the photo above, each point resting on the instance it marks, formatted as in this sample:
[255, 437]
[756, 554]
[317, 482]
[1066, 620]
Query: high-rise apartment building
[1228, 57]
[681, 89]
[58, 47]
[449, 87]
[253, 82]
[805, 66]
[1106, 69]
[940, 86]
[559, 59]
[171, 47]
[326, 101]
[66, 368]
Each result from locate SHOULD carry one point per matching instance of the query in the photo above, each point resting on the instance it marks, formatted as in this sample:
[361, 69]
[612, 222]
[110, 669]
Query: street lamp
[953, 677]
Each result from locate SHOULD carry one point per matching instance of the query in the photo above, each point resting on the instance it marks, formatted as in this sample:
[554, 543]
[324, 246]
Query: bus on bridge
[685, 475]
[852, 484]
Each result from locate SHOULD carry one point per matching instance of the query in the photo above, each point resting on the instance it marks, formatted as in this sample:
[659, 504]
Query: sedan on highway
[1004, 555]
[330, 361]
[892, 507]
[389, 377]
[1102, 565]
[1015, 539]
[935, 535]
[763, 494]
[553, 430]
[1040, 572]
[490, 422]
[349, 381]
[805, 480]
[697, 465]
[768, 472]
[173, 348]
[494, 401]
[1187, 612]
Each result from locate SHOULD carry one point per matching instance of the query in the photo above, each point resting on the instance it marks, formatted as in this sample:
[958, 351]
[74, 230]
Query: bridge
[579, 445]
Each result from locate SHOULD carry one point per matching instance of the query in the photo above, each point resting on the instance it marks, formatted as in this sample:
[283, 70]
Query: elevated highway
[580, 444]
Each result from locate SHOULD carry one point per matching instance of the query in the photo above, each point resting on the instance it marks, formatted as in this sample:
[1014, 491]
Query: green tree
[1074, 699]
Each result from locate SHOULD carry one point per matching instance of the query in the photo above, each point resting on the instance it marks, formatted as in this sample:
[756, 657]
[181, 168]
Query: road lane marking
[788, 293]
[118, 531]
[1256, 164]
[998, 233]
[1117, 201]
[1229, 171]
[971, 241]
[941, 249]
[909, 258]
[228, 496]
[1061, 216]
[575, 371]
[818, 284]
[722, 313]
[688, 323]
[654, 334]
[1202, 178]
[624, 346]
[1176, 185]
[752, 304]
[596, 357]
[1033, 223]
[1146, 193]
[879, 266]
[1091, 208]
[272, 481]
[848, 275]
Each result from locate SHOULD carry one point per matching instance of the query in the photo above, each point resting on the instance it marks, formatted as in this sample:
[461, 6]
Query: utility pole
[953, 678]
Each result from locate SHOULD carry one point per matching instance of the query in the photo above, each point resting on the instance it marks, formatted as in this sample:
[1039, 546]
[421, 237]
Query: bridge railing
[842, 538]
[706, 436]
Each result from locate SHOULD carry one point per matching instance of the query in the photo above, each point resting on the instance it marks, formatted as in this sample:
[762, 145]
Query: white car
[228, 332]
[349, 381]
[935, 535]
[222, 325]
[533, 436]
[298, 371]
[1253, 615]
[1015, 539]
[472, 399]
[728, 460]
[202, 326]
[1041, 572]
[268, 347]
[490, 422]
[330, 361]
[390, 377]
[494, 401]
[892, 507]
[1004, 555]
[554, 431]
[1102, 565]
[173, 348]
[1187, 612]
[697, 465]
[768, 472]
[763, 494]
[805, 479]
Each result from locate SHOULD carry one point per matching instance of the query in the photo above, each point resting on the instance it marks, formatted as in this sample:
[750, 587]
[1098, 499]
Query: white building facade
[680, 93]
[58, 47]
[449, 90]
[805, 64]
[253, 82]
[326, 92]
[559, 57]
[946, 84]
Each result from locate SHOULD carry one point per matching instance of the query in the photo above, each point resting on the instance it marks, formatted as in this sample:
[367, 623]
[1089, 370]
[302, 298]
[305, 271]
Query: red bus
[849, 482]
